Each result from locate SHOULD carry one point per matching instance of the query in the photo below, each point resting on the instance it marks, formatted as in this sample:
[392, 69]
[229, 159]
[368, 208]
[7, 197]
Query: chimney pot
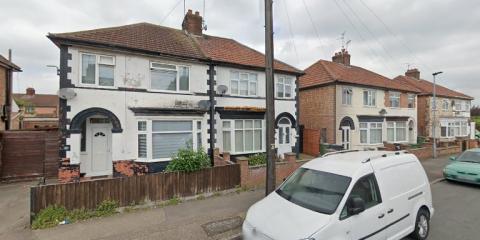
[30, 91]
[413, 73]
[342, 57]
[192, 23]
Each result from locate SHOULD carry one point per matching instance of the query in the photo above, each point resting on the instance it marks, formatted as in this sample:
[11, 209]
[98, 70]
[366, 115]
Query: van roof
[345, 163]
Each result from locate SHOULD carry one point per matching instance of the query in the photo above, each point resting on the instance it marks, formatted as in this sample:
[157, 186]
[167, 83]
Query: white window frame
[97, 69]
[249, 82]
[232, 130]
[455, 128]
[411, 100]
[368, 129]
[394, 96]
[177, 83]
[347, 93]
[371, 98]
[282, 84]
[150, 133]
[445, 105]
[395, 128]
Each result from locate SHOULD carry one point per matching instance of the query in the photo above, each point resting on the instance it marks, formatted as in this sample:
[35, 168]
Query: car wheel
[422, 225]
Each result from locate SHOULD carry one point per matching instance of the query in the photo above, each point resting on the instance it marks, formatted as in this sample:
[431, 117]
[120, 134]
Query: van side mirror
[453, 158]
[355, 205]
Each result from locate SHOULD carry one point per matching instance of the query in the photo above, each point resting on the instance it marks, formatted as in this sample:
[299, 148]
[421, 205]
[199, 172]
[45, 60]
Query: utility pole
[434, 122]
[270, 101]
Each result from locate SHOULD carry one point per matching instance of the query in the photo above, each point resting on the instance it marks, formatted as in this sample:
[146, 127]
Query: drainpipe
[297, 113]
[8, 101]
[211, 98]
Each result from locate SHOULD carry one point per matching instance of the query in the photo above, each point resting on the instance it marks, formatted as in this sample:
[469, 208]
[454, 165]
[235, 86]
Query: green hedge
[188, 160]
[257, 159]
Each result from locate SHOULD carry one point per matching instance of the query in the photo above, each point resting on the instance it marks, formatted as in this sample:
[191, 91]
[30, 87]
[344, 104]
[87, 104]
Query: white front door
[100, 162]
[346, 138]
[284, 136]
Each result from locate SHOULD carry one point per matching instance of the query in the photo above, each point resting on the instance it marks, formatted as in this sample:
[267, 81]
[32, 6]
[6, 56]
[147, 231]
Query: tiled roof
[6, 62]
[173, 42]
[426, 87]
[325, 72]
[37, 100]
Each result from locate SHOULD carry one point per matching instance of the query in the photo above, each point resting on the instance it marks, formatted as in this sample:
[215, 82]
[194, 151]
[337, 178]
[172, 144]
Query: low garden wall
[255, 176]
[426, 151]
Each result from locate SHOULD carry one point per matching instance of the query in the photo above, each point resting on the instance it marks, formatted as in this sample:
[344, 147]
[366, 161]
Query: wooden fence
[127, 190]
[29, 154]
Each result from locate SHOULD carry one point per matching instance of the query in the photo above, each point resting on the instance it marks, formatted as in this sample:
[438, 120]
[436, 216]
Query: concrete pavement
[457, 215]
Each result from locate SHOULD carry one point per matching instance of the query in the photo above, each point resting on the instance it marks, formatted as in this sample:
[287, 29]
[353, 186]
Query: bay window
[97, 70]
[397, 131]
[161, 139]
[284, 87]
[369, 98]
[243, 84]
[370, 132]
[394, 99]
[242, 136]
[167, 77]
[450, 128]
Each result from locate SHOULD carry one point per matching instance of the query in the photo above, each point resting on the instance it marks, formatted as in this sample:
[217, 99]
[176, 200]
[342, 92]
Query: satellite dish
[222, 89]
[66, 93]
[204, 104]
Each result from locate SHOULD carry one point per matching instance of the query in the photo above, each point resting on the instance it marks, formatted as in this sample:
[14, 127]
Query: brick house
[142, 91]
[354, 107]
[35, 110]
[453, 111]
[6, 72]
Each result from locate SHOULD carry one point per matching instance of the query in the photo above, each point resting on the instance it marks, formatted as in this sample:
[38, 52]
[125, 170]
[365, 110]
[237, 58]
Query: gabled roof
[155, 39]
[426, 88]
[325, 72]
[37, 100]
[6, 63]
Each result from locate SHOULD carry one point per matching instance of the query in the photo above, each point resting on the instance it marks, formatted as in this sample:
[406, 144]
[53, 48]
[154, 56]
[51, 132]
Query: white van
[347, 195]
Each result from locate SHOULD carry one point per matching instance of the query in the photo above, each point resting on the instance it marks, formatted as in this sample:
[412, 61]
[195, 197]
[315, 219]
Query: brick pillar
[291, 160]
[67, 172]
[226, 156]
[244, 171]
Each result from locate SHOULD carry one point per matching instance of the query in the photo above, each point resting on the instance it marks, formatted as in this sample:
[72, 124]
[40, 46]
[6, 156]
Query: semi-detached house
[452, 109]
[354, 107]
[140, 92]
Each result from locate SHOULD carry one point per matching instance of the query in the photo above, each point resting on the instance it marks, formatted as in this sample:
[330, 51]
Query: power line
[315, 28]
[171, 10]
[290, 31]
[372, 51]
[389, 30]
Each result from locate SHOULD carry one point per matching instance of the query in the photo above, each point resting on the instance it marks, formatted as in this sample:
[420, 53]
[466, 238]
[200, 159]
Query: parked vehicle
[347, 195]
[465, 168]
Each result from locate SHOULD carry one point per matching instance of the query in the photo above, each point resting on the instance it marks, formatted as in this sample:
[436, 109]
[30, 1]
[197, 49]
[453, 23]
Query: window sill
[144, 160]
[96, 86]
[166, 91]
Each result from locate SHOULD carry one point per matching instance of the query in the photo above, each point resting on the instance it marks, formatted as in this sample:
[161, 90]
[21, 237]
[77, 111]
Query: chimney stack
[413, 73]
[9, 54]
[192, 23]
[342, 57]
[30, 91]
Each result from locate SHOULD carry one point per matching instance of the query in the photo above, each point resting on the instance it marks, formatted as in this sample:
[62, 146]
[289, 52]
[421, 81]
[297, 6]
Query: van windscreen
[316, 190]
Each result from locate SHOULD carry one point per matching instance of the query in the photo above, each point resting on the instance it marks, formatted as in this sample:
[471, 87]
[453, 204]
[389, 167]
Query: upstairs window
[394, 99]
[347, 96]
[445, 105]
[243, 84]
[168, 77]
[369, 98]
[411, 100]
[284, 87]
[98, 70]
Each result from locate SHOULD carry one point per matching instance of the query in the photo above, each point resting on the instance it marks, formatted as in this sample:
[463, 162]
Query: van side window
[367, 189]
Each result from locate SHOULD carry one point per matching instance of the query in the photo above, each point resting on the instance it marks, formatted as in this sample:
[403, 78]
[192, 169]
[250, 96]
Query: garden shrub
[106, 208]
[49, 217]
[188, 160]
[257, 159]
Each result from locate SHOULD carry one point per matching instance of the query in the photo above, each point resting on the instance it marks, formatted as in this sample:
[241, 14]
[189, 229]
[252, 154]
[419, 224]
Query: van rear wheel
[422, 225]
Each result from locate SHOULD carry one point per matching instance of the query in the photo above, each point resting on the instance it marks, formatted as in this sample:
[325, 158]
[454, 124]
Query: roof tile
[426, 87]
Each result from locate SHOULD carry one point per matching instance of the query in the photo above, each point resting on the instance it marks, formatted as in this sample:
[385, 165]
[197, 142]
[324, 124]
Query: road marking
[437, 180]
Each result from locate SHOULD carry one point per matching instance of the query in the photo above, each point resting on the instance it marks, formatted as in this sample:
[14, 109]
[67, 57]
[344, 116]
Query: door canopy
[285, 115]
[347, 122]
[76, 124]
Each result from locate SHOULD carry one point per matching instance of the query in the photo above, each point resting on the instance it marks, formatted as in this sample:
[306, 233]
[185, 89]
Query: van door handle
[390, 210]
[381, 215]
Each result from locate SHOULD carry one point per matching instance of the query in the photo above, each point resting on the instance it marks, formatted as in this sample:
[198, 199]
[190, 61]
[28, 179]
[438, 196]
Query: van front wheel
[422, 225]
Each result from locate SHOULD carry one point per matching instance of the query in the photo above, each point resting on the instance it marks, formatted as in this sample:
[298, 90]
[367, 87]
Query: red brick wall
[317, 110]
[255, 176]
[404, 100]
[422, 112]
[128, 168]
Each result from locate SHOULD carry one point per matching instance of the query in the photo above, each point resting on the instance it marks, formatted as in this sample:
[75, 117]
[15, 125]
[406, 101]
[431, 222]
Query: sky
[386, 36]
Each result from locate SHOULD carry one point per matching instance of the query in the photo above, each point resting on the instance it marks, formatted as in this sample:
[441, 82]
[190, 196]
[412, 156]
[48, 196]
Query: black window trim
[377, 189]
